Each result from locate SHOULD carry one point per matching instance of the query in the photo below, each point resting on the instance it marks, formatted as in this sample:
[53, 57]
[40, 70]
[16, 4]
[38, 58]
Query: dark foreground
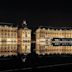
[34, 62]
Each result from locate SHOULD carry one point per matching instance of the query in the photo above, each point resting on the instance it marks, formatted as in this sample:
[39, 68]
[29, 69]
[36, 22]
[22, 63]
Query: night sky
[37, 16]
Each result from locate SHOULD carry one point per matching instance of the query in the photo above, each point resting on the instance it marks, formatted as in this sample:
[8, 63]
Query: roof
[54, 27]
[5, 23]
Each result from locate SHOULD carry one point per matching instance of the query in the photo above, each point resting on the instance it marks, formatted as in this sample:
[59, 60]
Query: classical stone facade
[8, 40]
[14, 40]
[53, 41]
[25, 40]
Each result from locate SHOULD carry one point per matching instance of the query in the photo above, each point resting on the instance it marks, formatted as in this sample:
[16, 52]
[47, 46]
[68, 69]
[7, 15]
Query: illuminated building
[14, 40]
[8, 40]
[25, 40]
[24, 35]
[51, 41]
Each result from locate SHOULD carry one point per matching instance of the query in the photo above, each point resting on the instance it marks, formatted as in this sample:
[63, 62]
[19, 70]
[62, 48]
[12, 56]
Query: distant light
[24, 22]
[24, 59]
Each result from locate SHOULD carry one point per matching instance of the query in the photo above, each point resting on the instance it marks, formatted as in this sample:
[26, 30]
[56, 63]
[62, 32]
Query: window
[25, 34]
[25, 46]
[3, 41]
[42, 49]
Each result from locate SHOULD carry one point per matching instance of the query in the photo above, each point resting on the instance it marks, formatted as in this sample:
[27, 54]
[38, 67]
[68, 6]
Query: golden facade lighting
[8, 41]
[25, 41]
[14, 40]
[44, 41]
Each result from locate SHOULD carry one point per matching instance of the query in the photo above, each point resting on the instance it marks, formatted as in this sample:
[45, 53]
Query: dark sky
[36, 16]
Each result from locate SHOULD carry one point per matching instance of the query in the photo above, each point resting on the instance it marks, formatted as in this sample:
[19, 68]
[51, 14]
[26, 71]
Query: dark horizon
[36, 17]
